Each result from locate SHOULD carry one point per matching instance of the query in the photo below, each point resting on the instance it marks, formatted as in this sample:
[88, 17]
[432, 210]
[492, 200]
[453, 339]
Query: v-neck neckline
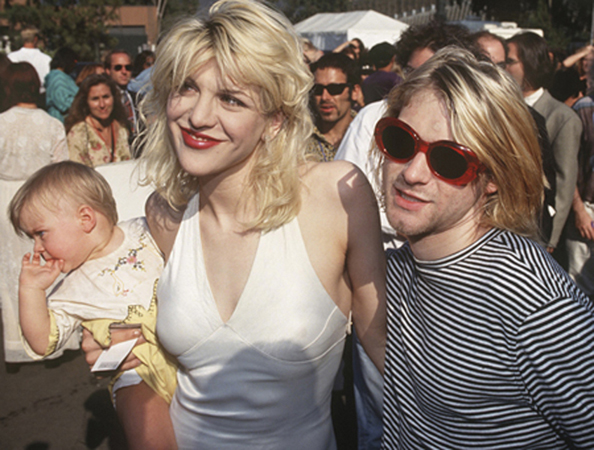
[246, 286]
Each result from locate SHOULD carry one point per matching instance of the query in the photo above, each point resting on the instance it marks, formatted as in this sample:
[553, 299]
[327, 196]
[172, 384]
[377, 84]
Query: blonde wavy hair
[488, 114]
[253, 46]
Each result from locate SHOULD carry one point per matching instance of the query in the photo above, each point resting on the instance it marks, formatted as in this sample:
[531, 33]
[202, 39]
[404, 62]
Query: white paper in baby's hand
[111, 358]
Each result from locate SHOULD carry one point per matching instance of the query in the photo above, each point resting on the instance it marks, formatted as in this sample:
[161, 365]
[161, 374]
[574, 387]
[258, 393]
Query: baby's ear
[87, 218]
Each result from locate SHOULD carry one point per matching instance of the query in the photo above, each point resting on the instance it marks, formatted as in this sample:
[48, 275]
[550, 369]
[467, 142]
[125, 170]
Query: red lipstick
[198, 141]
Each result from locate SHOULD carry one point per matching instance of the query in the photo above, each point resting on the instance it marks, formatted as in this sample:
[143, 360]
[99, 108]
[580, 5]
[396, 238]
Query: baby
[111, 274]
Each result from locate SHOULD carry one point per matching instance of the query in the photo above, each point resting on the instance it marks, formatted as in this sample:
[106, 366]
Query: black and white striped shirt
[489, 348]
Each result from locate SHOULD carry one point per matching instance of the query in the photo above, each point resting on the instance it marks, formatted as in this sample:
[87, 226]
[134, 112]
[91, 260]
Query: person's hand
[93, 349]
[36, 276]
[550, 249]
[584, 224]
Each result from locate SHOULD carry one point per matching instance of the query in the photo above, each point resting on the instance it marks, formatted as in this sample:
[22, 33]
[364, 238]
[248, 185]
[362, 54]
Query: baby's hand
[37, 276]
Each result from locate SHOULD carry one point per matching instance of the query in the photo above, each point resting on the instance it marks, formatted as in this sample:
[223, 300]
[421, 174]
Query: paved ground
[59, 405]
[55, 405]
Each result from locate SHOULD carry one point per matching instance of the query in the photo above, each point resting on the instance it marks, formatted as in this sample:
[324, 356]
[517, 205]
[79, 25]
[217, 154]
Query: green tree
[563, 21]
[80, 25]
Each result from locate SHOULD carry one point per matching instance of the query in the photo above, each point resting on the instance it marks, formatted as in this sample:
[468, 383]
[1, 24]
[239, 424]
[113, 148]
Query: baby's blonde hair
[64, 181]
[256, 47]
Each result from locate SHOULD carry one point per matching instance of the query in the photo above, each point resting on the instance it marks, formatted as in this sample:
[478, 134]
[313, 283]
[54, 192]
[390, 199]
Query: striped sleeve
[556, 363]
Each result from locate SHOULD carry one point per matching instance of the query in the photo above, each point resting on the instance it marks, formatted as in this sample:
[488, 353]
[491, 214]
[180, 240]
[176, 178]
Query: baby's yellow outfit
[116, 288]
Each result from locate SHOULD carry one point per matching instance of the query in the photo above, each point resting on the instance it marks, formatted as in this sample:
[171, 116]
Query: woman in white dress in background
[29, 139]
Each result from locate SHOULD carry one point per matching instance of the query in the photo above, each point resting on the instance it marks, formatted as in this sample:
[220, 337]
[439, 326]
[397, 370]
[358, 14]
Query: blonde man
[489, 342]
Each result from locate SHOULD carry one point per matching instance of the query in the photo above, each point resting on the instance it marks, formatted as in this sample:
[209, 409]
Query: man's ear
[357, 94]
[490, 188]
[87, 217]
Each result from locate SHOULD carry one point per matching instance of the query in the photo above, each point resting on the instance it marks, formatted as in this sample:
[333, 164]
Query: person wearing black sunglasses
[337, 86]
[489, 341]
[118, 65]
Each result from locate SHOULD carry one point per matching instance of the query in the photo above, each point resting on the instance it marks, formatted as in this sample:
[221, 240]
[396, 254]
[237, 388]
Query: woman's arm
[366, 265]
[163, 221]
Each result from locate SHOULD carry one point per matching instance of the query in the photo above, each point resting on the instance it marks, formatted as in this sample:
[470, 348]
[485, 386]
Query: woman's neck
[27, 105]
[226, 196]
[99, 124]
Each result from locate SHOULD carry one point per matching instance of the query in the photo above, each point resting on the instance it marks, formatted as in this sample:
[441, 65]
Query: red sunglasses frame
[473, 168]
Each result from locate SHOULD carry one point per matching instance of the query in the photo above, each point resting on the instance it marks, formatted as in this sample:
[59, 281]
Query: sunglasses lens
[398, 142]
[333, 88]
[336, 89]
[447, 162]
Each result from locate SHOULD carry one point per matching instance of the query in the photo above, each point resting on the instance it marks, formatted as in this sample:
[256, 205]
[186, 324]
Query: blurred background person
[118, 66]
[97, 127]
[4, 63]
[30, 53]
[141, 73]
[530, 65]
[495, 48]
[60, 88]
[143, 61]
[354, 49]
[581, 60]
[89, 69]
[337, 85]
[567, 86]
[310, 52]
[377, 85]
[580, 224]
[29, 139]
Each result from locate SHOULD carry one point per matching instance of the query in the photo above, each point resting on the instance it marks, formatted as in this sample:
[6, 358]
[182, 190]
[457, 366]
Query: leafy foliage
[563, 21]
[79, 25]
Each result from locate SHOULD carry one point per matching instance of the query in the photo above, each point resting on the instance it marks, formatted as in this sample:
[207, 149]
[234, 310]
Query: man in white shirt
[31, 54]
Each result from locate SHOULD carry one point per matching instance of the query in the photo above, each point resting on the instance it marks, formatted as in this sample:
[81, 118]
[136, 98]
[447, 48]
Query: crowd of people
[430, 197]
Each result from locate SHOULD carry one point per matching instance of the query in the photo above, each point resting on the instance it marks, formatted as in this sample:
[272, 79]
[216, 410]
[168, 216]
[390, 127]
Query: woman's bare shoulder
[163, 221]
[341, 178]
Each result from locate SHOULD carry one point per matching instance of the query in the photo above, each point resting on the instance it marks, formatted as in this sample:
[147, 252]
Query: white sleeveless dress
[263, 380]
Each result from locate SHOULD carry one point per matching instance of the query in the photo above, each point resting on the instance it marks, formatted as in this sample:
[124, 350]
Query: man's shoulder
[23, 54]
[550, 107]
[559, 117]
[584, 102]
[372, 112]
[318, 145]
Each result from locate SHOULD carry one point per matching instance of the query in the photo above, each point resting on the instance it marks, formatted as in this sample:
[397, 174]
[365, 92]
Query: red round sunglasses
[449, 161]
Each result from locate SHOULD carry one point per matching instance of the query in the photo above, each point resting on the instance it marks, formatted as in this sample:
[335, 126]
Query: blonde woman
[267, 254]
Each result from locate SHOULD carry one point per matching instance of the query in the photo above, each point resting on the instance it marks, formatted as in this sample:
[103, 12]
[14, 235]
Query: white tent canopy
[328, 30]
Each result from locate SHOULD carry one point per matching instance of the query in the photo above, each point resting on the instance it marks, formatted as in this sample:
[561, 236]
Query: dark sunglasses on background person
[449, 161]
[119, 67]
[332, 88]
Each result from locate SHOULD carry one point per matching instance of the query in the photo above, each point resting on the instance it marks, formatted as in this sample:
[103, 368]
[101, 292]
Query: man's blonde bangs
[487, 114]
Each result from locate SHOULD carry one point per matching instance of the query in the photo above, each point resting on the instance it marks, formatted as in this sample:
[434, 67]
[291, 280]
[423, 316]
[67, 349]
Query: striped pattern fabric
[489, 348]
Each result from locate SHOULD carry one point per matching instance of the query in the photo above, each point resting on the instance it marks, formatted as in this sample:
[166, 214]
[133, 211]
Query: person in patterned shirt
[337, 86]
